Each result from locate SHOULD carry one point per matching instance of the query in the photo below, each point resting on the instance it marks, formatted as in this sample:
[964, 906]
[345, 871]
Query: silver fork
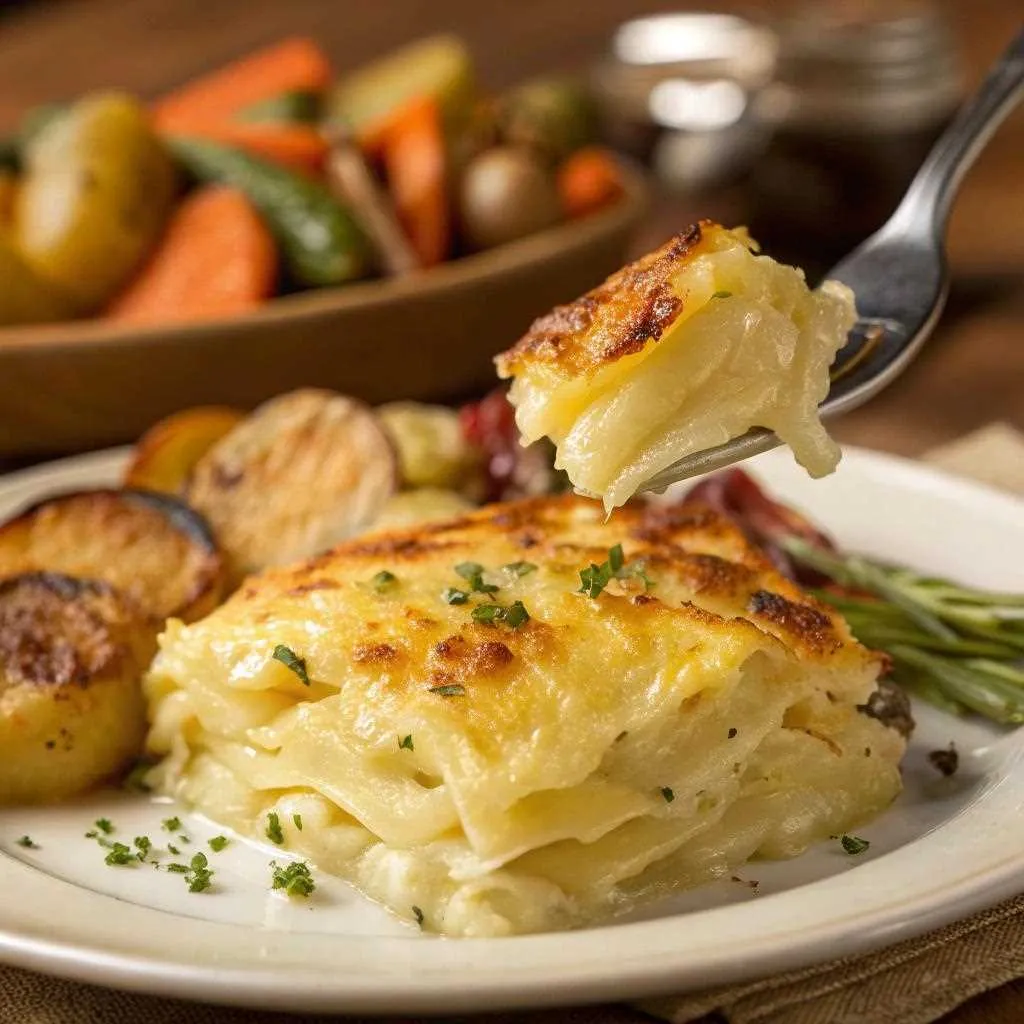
[899, 275]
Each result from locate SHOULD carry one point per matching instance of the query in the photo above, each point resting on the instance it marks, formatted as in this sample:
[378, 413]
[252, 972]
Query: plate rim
[520, 983]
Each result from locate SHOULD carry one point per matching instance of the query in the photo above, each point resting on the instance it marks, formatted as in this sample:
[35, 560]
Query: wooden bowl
[431, 336]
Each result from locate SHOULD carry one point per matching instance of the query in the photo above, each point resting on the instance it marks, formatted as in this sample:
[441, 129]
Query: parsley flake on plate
[418, 914]
[406, 743]
[27, 843]
[143, 844]
[104, 825]
[199, 875]
[120, 854]
[297, 821]
[295, 879]
[217, 843]
[853, 844]
[171, 824]
[284, 654]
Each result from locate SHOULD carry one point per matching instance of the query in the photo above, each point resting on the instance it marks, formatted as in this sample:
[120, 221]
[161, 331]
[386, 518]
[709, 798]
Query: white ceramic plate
[948, 847]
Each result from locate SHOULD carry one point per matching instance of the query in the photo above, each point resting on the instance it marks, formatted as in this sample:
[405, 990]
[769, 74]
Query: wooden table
[971, 372]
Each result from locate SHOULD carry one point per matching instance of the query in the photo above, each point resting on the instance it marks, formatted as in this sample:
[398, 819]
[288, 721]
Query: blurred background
[803, 121]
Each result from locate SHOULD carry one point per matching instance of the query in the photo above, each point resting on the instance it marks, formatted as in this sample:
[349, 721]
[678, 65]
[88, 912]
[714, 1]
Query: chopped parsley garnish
[473, 574]
[178, 869]
[449, 690]
[520, 568]
[596, 577]
[274, 832]
[452, 595]
[722, 295]
[26, 841]
[406, 743]
[217, 843]
[173, 849]
[667, 793]
[491, 614]
[184, 839]
[295, 879]
[384, 581]
[732, 733]
[199, 875]
[297, 821]
[290, 659]
[172, 824]
[418, 914]
[119, 854]
[853, 844]
[143, 844]
[103, 824]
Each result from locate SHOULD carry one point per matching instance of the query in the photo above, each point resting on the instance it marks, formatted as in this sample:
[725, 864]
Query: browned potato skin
[152, 547]
[72, 713]
[300, 474]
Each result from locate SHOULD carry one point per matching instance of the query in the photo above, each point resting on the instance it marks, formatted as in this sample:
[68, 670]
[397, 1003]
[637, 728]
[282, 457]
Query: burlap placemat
[915, 982]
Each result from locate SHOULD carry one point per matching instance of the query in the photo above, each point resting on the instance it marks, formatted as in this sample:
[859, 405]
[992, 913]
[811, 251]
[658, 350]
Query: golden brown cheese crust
[700, 563]
[631, 309]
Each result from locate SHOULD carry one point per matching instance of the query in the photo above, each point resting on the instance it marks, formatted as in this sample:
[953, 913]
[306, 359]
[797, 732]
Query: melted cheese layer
[518, 779]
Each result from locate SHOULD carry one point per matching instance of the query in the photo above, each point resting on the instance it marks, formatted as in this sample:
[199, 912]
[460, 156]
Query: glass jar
[862, 90]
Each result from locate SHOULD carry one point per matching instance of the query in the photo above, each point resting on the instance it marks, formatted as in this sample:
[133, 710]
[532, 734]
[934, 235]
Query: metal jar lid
[864, 65]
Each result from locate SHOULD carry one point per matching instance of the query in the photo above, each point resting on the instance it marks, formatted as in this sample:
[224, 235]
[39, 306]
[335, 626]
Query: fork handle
[926, 205]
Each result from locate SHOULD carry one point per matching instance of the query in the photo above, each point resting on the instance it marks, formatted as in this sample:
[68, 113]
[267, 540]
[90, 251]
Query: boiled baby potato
[151, 547]
[438, 67]
[301, 473]
[506, 193]
[97, 189]
[432, 449]
[25, 298]
[71, 708]
[164, 457]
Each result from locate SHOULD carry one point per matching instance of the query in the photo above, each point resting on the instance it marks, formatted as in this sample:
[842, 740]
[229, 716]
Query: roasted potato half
[151, 547]
[166, 454]
[72, 713]
[301, 473]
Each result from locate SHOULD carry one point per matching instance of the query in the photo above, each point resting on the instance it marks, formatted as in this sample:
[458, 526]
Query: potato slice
[152, 547]
[303, 472]
[72, 713]
[166, 454]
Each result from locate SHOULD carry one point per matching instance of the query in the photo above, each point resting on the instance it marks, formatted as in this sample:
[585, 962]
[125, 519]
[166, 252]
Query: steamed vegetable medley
[270, 176]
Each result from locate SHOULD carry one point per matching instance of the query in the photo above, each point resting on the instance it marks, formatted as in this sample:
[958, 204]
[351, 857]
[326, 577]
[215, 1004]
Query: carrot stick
[414, 162]
[295, 146]
[216, 258]
[296, 64]
[587, 181]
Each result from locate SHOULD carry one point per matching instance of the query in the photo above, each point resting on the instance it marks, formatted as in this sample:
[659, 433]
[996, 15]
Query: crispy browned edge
[58, 630]
[209, 584]
[623, 314]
